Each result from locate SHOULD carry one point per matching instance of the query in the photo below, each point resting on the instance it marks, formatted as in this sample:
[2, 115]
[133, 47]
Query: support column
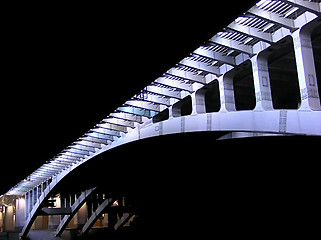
[310, 98]
[34, 197]
[198, 102]
[227, 92]
[30, 201]
[20, 213]
[9, 219]
[27, 198]
[262, 82]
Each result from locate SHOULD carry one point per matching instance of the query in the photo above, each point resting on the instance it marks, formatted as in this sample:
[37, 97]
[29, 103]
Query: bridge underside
[153, 166]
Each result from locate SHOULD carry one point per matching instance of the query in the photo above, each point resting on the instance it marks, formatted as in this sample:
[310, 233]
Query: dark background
[66, 67]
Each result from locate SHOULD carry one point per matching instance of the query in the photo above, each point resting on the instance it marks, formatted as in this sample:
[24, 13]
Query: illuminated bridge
[259, 76]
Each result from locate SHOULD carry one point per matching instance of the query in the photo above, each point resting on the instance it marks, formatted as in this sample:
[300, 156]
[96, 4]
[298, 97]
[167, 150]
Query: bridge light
[248, 40]
[291, 11]
[270, 25]
[240, 20]
[263, 3]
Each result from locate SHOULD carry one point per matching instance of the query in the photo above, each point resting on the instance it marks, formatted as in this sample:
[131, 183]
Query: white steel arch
[247, 38]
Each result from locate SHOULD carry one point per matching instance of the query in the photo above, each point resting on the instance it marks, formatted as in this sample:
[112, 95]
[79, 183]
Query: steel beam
[200, 66]
[251, 31]
[78, 151]
[73, 153]
[310, 6]
[112, 127]
[83, 147]
[62, 163]
[106, 132]
[64, 158]
[232, 44]
[69, 157]
[174, 84]
[143, 105]
[66, 153]
[74, 209]
[127, 116]
[163, 91]
[40, 174]
[123, 220]
[119, 122]
[137, 111]
[54, 211]
[95, 140]
[100, 136]
[272, 17]
[145, 96]
[51, 166]
[37, 178]
[45, 171]
[216, 56]
[186, 75]
[105, 204]
[88, 144]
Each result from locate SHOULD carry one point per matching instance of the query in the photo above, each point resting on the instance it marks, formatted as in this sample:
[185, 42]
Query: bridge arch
[260, 75]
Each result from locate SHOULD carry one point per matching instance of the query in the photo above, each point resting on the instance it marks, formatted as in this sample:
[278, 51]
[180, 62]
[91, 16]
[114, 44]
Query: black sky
[67, 67]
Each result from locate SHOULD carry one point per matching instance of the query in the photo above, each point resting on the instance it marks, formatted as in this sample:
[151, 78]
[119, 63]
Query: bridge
[260, 76]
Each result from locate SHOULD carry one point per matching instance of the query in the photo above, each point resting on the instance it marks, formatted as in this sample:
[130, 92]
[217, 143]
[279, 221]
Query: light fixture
[263, 3]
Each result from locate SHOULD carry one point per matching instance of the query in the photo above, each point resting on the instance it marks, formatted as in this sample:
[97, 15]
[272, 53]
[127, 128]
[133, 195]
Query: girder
[96, 139]
[56, 162]
[106, 132]
[71, 152]
[105, 204]
[123, 220]
[35, 177]
[90, 145]
[251, 31]
[186, 75]
[202, 51]
[144, 105]
[162, 91]
[174, 84]
[112, 127]
[127, 116]
[193, 63]
[47, 171]
[152, 98]
[78, 151]
[310, 6]
[272, 18]
[50, 166]
[40, 174]
[83, 147]
[232, 44]
[119, 122]
[137, 111]
[74, 208]
[65, 158]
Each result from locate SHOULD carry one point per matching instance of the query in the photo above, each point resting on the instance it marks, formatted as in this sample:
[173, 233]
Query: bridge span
[260, 76]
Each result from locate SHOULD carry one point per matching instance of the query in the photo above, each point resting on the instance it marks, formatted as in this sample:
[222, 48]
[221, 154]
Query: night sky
[67, 67]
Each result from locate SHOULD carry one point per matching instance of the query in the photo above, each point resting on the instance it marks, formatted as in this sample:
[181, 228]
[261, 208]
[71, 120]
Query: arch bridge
[259, 76]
